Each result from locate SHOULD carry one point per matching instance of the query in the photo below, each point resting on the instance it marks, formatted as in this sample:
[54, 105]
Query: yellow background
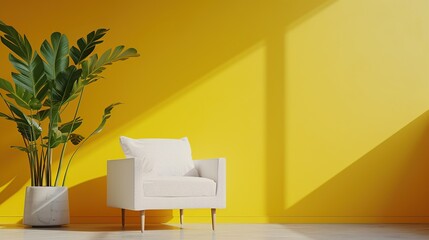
[319, 106]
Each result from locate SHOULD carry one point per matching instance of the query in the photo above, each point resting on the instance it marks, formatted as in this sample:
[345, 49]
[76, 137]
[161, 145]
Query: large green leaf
[28, 127]
[77, 89]
[16, 43]
[21, 97]
[94, 66]
[86, 46]
[31, 76]
[63, 85]
[55, 54]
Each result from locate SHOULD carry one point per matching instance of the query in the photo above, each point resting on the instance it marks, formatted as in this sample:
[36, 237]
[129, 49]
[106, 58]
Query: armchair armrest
[214, 169]
[124, 181]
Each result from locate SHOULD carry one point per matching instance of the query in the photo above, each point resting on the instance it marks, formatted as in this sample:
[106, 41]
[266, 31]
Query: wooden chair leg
[213, 218]
[181, 218]
[123, 218]
[142, 217]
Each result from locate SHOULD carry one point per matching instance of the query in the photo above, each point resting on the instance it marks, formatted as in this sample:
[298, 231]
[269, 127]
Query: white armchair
[144, 180]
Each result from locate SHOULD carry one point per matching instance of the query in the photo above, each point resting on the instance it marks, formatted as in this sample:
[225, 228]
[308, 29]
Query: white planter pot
[46, 206]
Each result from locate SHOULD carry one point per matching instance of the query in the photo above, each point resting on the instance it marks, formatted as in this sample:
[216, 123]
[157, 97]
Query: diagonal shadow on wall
[183, 41]
[174, 38]
[389, 183]
[14, 171]
[224, 29]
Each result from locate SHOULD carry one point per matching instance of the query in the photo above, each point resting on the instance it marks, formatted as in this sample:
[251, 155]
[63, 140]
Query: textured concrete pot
[46, 206]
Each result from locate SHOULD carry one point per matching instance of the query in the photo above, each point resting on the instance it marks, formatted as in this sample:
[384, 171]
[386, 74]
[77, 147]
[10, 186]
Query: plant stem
[33, 147]
[74, 153]
[42, 160]
[64, 146]
[33, 180]
[48, 161]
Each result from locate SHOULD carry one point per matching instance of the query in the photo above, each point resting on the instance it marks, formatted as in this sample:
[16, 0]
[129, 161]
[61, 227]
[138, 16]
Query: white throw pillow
[161, 157]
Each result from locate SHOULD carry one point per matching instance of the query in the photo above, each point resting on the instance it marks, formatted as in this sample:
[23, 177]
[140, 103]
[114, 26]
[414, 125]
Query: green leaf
[77, 89]
[63, 85]
[15, 42]
[4, 115]
[41, 115]
[85, 47]
[6, 85]
[75, 139]
[47, 103]
[28, 127]
[66, 127]
[22, 98]
[35, 104]
[43, 92]
[55, 54]
[21, 148]
[107, 114]
[54, 116]
[18, 112]
[92, 67]
[31, 76]
[30, 82]
[56, 138]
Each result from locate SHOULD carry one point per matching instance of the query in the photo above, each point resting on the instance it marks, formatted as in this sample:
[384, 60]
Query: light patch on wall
[14, 205]
[348, 72]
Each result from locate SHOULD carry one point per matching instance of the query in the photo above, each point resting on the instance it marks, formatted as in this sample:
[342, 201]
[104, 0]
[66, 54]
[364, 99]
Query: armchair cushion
[161, 157]
[177, 186]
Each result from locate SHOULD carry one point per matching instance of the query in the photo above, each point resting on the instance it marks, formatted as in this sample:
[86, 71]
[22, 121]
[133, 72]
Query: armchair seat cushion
[178, 186]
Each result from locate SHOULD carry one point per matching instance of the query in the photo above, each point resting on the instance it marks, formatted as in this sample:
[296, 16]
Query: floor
[223, 231]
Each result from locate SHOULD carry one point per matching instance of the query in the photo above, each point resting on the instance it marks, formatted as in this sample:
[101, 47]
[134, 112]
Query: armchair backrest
[161, 157]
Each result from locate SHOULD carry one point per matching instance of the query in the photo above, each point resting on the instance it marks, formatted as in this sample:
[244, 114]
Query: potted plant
[42, 87]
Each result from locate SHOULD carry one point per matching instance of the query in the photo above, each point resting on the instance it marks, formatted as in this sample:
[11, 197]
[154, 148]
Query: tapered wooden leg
[123, 218]
[213, 218]
[142, 217]
[181, 218]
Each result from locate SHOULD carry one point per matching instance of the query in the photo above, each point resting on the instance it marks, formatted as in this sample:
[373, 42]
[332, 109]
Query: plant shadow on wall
[389, 182]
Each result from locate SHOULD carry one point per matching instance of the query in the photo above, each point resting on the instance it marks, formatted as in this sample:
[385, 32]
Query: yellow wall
[319, 106]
